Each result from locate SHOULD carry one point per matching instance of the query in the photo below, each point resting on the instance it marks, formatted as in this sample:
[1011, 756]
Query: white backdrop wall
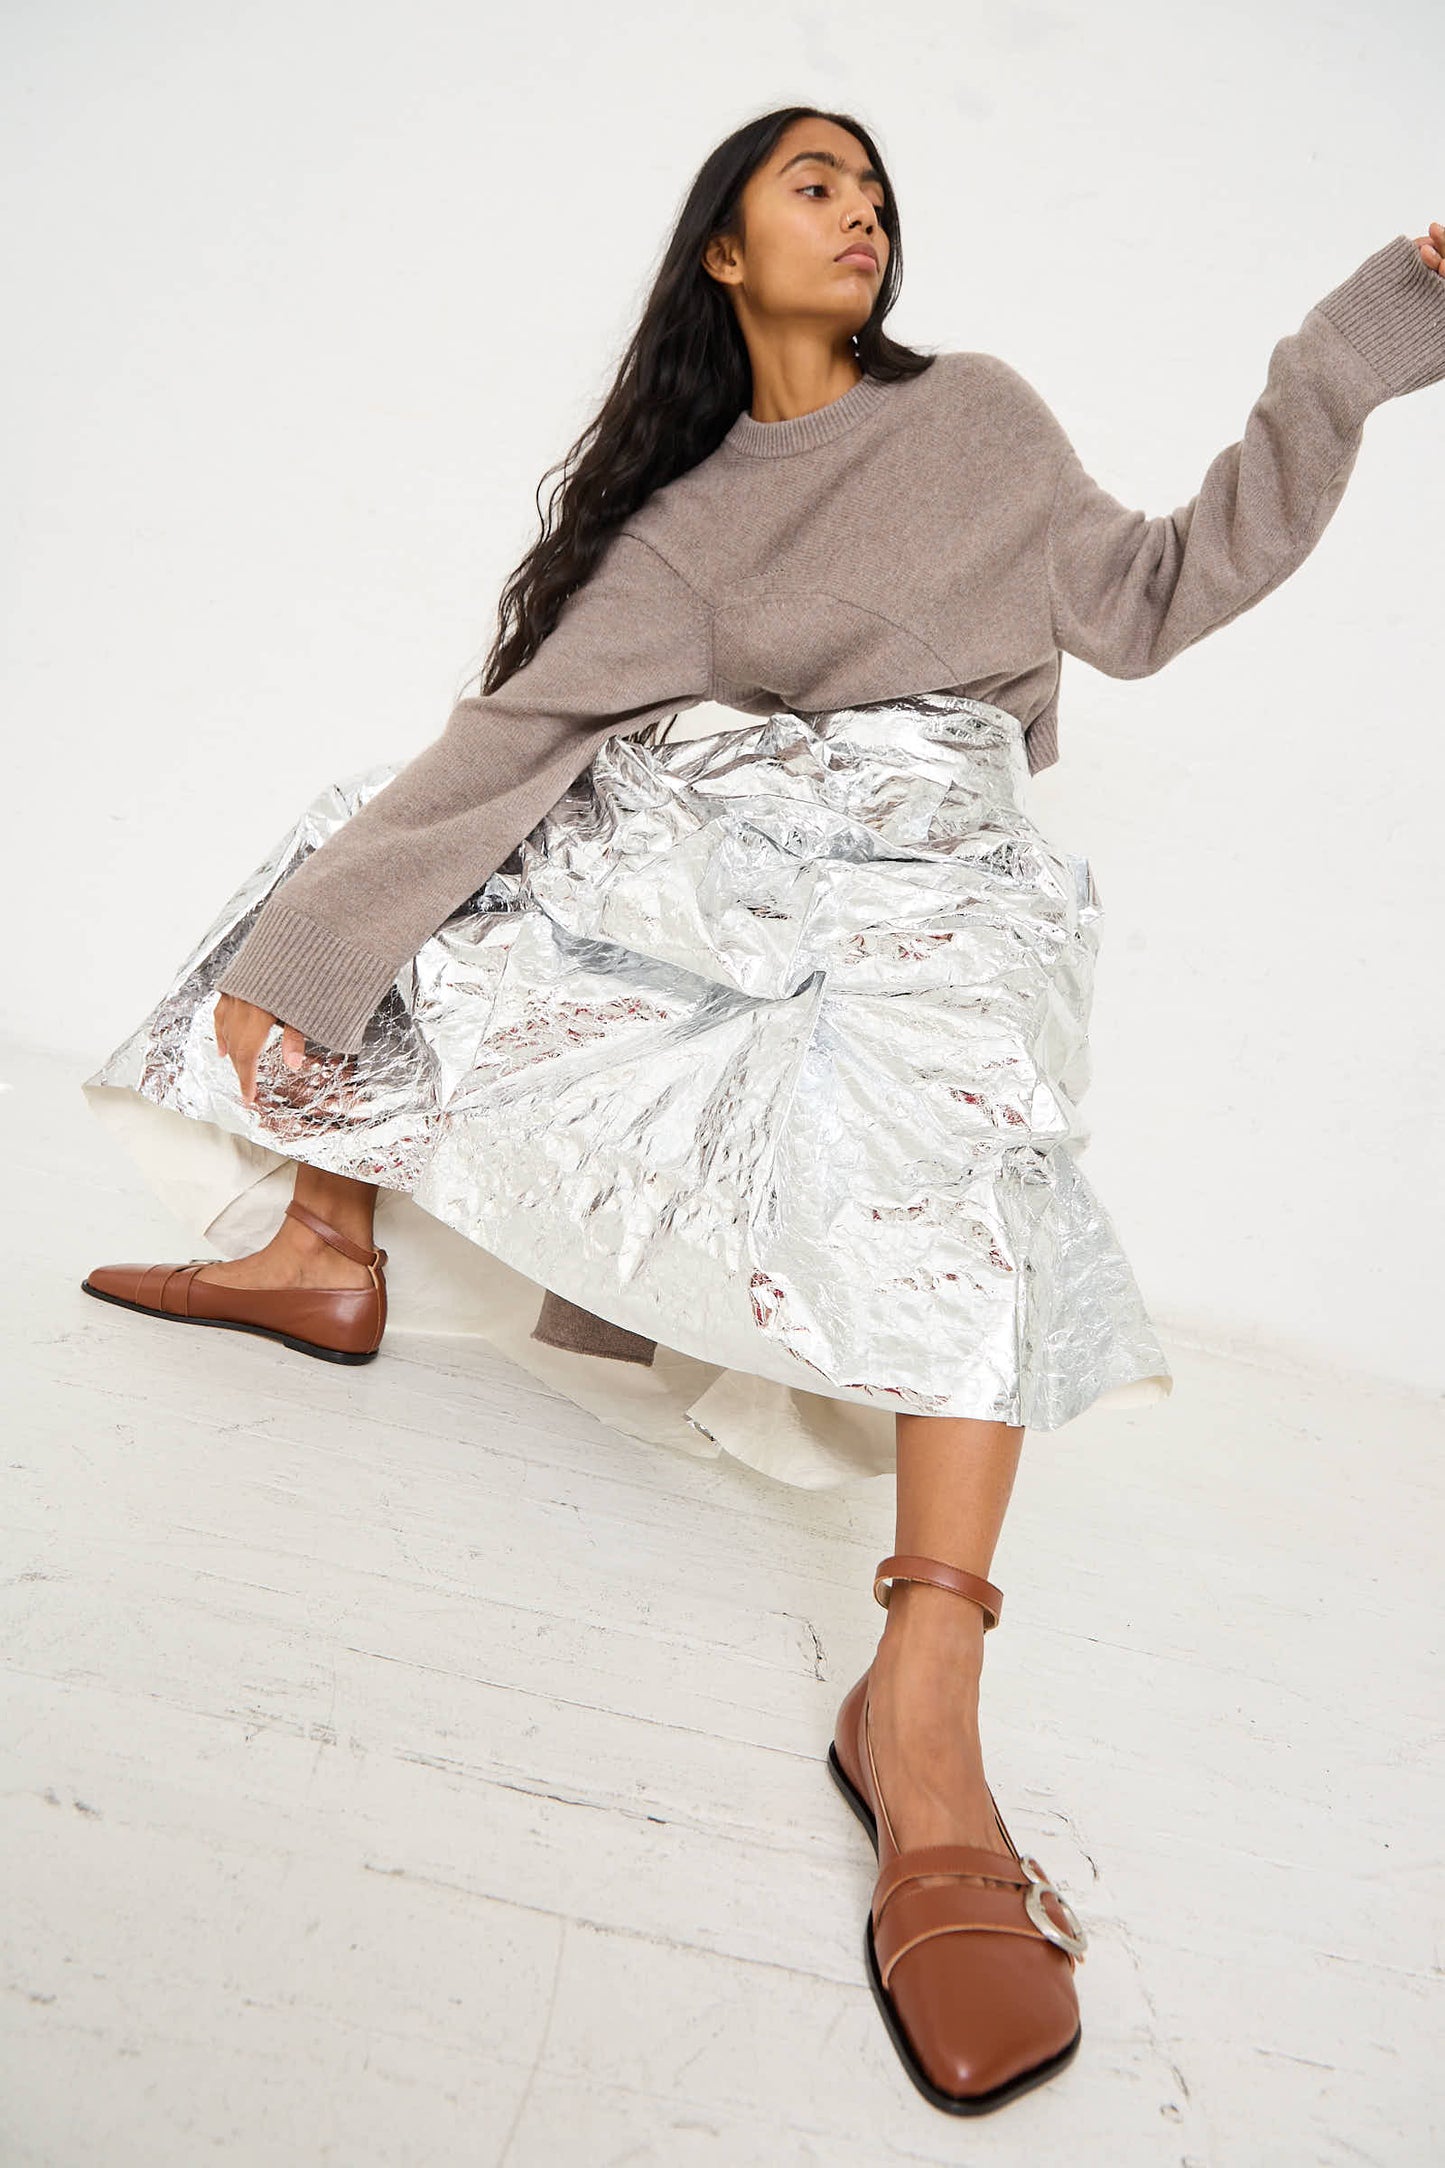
[303, 302]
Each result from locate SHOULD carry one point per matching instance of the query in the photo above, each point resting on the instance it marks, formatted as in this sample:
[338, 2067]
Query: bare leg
[955, 1479]
[294, 1256]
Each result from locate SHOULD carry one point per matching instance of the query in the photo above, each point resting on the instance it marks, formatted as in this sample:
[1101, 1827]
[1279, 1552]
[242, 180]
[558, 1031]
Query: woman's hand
[242, 1030]
[1432, 247]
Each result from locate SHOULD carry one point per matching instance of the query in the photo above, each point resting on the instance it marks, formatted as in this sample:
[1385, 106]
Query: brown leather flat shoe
[970, 1952]
[340, 1324]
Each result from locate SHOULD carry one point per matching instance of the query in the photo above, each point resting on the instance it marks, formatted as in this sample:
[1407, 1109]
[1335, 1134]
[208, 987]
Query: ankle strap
[334, 1236]
[908, 1566]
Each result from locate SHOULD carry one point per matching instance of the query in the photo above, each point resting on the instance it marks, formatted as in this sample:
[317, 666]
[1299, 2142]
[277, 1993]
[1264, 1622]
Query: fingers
[242, 1029]
[1432, 247]
[244, 1065]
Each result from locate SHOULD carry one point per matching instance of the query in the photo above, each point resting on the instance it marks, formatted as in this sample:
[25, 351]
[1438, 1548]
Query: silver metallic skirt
[767, 1044]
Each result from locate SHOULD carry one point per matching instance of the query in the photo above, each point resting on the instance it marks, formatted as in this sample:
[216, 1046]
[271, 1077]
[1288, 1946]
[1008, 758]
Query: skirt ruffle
[765, 1046]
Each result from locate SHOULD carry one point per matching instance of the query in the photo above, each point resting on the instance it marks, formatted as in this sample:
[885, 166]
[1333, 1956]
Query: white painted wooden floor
[401, 1768]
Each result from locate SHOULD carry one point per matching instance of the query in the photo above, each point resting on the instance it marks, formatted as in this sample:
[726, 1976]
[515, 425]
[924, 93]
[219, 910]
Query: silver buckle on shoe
[1075, 1941]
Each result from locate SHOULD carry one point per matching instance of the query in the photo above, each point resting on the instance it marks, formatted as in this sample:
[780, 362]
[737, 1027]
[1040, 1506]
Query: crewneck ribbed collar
[801, 432]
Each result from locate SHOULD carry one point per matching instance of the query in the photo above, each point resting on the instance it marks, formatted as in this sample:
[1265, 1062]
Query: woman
[838, 979]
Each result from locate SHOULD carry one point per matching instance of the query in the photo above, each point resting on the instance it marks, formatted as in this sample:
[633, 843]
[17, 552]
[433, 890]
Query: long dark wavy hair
[682, 383]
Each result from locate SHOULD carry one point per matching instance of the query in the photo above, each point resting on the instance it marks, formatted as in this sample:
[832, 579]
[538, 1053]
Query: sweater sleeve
[633, 643]
[1128, 592]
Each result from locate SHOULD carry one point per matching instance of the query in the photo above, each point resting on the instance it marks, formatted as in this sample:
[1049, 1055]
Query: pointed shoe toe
[121, 1283]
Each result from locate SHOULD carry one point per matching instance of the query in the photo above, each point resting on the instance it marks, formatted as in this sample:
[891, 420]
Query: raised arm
[633, 643]
[1128, 592]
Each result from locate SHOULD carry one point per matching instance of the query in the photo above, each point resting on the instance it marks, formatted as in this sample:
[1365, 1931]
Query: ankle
[352, 1213]
[931, 1625]
[295, 1240]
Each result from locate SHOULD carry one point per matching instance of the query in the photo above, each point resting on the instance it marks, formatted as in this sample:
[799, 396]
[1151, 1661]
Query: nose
[864, 213]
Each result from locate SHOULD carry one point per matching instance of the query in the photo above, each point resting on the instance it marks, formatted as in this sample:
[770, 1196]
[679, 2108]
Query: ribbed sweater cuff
[306, 975]
[1041, 741]
[1392, 310]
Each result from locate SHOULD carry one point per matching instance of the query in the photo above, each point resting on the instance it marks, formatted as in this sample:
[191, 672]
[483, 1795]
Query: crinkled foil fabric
[766, 1043]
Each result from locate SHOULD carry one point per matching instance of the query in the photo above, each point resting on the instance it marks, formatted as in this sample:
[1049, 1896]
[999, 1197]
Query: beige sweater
[935, 533]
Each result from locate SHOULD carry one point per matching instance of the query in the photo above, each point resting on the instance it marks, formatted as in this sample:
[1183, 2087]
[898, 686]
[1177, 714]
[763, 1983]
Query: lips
[858, 252]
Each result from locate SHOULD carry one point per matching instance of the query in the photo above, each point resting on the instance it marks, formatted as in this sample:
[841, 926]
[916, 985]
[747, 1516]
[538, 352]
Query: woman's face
[812, 201]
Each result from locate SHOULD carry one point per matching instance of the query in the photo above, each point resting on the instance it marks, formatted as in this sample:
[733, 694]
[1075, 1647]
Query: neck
[793, 380]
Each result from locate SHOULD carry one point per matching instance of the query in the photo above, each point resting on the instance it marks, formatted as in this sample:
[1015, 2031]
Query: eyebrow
[829, 158]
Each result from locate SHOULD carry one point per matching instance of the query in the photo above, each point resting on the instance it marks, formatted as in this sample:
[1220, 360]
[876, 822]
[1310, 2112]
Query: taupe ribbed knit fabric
[937, 533]
[566, 1324]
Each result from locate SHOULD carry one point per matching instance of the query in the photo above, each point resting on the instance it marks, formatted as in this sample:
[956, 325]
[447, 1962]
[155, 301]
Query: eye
[879, 208]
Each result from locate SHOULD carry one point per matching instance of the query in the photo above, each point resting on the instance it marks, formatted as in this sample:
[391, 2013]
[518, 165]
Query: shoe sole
[951, 2103]
[236, 1324]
